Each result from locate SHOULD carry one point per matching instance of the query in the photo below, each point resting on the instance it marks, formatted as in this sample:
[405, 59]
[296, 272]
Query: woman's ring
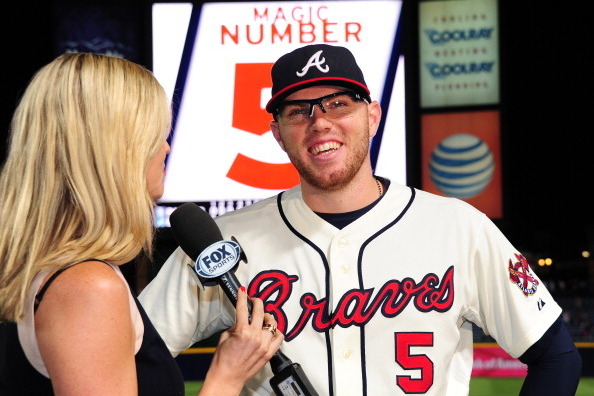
[269, 327]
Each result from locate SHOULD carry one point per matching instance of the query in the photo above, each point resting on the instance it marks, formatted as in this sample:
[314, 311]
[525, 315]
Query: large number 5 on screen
[249, 116]
[408, 361]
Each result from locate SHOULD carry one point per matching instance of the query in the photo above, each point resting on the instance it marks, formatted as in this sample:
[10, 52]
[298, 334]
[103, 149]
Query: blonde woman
[85, 164]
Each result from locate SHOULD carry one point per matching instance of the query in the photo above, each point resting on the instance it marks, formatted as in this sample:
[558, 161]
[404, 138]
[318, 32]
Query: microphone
[289, 378]
[215, 262]
[200, 238]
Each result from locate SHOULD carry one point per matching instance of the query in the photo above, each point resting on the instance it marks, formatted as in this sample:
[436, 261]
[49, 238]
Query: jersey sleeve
[512, 305]
[182, 311]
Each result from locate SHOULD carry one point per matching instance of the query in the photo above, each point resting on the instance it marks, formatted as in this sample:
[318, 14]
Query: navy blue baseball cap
[316, 64]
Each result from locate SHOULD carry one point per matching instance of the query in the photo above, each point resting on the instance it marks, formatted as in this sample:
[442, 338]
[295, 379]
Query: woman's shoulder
[88, 277]
[87, 286]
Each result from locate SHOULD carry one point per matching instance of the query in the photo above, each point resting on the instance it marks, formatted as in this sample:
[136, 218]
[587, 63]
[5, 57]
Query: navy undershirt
[341, 220]
[554, 363]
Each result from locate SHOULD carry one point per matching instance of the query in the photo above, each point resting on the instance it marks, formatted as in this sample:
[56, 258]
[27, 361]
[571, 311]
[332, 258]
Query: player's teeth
[325, 147]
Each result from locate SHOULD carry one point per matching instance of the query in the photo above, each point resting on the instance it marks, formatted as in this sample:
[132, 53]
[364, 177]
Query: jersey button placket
[344, 243]
[346, 341]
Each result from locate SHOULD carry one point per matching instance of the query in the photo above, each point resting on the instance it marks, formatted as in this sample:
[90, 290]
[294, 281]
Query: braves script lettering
[357, 306]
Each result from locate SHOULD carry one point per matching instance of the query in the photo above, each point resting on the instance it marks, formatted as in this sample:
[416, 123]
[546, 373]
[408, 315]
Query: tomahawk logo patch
[520, 274]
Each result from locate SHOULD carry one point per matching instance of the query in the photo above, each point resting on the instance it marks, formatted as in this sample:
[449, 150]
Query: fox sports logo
[461, 166]
[217, 259]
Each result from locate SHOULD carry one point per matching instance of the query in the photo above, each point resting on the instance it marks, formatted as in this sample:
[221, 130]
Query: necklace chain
[379, 186]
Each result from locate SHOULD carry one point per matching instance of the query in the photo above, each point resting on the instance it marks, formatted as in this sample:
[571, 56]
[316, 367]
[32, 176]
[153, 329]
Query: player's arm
[171, 302]
[176, 305]
[554, 363]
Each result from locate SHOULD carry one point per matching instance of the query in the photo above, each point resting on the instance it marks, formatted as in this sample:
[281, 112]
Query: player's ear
[375, 116]
[276, 133]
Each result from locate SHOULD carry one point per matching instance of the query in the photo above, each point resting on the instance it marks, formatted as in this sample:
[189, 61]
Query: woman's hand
[243, 349]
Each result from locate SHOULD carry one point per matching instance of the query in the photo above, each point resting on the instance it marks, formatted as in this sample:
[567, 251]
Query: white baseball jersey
[380, 307]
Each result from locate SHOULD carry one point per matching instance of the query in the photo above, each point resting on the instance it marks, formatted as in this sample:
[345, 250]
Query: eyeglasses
[334, 106]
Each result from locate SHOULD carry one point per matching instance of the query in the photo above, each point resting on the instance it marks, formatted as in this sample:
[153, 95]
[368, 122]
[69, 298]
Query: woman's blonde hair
[74, 183]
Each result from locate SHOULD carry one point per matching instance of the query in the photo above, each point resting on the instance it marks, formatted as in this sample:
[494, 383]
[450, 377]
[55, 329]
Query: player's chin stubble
[334, 180]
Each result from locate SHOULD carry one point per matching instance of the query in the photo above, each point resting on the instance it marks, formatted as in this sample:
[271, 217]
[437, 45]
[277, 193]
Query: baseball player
[375, 285]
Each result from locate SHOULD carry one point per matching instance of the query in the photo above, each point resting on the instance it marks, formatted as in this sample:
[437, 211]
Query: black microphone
[215, 261]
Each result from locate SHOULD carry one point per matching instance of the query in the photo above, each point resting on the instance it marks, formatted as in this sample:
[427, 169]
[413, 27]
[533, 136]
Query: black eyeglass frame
[318, 101]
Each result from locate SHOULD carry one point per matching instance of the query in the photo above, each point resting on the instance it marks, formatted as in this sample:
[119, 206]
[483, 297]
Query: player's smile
[324, 148]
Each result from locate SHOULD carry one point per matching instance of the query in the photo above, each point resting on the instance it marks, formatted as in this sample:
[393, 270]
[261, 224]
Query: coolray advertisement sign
[458, 53]
[214, 61]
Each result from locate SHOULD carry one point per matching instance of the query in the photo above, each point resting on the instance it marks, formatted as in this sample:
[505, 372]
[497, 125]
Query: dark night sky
[546, 114]
[546, 107]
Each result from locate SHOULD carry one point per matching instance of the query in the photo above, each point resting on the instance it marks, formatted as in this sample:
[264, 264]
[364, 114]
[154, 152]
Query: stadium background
[546, 136]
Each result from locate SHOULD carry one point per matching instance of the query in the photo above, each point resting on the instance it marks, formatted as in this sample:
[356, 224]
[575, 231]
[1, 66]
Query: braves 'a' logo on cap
[314, 61]
[519, 273]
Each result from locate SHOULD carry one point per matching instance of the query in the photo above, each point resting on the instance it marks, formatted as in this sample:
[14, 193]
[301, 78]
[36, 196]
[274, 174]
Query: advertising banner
[458, 53]
[492, 361]
[461, 158]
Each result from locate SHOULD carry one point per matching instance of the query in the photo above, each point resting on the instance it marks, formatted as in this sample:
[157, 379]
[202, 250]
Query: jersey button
[344, 268]
[343, 242]
[347, 354]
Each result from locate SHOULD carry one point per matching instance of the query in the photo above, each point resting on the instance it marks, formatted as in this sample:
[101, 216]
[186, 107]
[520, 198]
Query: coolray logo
[217, 259]
[314, 61]
[445, 70]
[519, 273]
[442, 37]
